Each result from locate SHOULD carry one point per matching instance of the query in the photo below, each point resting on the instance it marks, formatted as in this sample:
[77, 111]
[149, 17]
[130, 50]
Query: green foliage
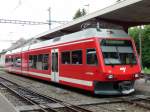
[145, 34]
[146, 46]
[146, 70]
[83, 12]
[134, 33]
[118, 0]
[80, 13]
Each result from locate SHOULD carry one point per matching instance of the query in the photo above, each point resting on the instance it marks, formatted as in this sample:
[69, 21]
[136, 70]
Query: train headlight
[136, 75]
[110, 76]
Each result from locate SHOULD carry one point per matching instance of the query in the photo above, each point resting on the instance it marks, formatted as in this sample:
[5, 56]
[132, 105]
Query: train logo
[123, 69]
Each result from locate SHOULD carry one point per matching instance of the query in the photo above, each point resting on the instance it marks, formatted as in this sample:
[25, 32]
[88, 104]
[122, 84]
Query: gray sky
[37, 10]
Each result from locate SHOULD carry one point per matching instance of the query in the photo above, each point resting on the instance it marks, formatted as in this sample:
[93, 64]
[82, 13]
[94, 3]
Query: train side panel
[74, 73]
[37, 67]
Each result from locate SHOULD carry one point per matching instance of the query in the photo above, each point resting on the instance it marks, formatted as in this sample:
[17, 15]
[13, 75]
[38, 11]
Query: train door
[54, 66]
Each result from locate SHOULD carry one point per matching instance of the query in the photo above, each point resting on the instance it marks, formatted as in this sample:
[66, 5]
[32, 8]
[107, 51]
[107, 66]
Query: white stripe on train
[66, 79]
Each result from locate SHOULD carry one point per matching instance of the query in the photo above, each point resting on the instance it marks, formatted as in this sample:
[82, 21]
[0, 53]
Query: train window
[91, 57]
[17, 62]
[65, 57]
[6, 60]
[30, 61]
[77, 57]
[12, 61]
[34, 61]
[45, 62]
[118, 52]
[39, 62]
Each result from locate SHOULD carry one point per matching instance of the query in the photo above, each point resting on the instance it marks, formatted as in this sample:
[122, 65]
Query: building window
[77, 57]
[65, 57]
[91, 57]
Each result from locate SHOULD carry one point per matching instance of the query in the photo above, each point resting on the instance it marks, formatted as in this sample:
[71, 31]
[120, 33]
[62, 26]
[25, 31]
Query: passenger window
[45, 62]
[34, 60]
[91, 57]
[17, 62]
[30, 61]
[77, 57]
[12, 62]
[65, 57]
[39, 62]
[6, 60]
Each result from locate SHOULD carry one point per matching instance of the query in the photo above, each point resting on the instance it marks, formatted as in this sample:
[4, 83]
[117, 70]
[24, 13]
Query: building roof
[127, 13]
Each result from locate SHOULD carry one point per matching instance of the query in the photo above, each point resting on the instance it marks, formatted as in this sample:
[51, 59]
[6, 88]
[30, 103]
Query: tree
[134, 32]
[146, 46]
[118, 0]
[84, 12]
[80, 13]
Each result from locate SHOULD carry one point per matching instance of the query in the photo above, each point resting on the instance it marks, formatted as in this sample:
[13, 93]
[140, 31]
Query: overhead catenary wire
[30, 22]
[8, 40]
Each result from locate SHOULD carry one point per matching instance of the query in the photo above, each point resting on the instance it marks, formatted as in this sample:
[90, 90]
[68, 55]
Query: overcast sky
[37, 10]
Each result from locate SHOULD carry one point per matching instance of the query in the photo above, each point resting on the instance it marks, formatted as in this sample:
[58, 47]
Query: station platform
[5, 105]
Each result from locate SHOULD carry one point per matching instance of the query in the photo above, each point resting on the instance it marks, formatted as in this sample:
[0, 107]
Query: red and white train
[103, 61]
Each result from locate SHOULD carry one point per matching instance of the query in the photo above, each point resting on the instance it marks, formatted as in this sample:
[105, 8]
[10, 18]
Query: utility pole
[49, 10]
[88, 8]
[140, 44]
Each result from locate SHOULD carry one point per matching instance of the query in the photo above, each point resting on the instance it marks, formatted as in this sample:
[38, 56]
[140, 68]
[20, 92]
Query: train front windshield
[117, 52]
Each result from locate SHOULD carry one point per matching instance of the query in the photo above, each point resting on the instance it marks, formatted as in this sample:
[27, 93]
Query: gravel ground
[75, 96]
[116, 107]
[54, 90]
[16, 101]
[141, 85]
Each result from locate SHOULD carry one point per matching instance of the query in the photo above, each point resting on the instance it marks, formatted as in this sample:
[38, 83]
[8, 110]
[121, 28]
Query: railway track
[36, 102]
[143, 101]
[39, 102]
[147, 77]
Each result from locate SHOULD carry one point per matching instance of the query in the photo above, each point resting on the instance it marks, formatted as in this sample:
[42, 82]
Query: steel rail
[69, 106]
[130, 101]
[28, 100]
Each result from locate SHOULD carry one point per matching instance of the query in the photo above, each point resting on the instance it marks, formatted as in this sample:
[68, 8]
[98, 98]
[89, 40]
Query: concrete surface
[5, 105]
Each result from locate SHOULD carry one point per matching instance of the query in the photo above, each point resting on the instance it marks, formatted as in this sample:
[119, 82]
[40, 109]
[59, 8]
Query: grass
[146, 70]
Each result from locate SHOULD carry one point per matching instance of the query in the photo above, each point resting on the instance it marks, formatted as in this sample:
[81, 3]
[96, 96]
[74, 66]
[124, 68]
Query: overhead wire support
[8, 40]
[49, 10]
[29, 22]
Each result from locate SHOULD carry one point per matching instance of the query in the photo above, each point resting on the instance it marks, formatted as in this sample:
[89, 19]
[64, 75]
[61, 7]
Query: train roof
[85, 34]
[127, 13]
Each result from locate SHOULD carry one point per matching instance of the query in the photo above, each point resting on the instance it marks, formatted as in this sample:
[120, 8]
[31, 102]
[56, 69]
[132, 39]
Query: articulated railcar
[103, 61]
